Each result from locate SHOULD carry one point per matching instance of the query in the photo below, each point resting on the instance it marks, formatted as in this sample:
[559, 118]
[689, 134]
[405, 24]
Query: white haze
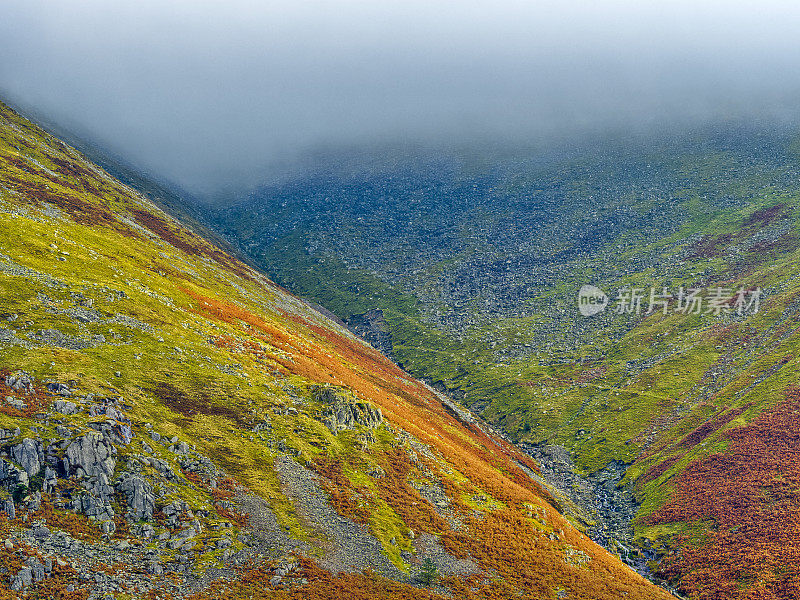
[209, 94]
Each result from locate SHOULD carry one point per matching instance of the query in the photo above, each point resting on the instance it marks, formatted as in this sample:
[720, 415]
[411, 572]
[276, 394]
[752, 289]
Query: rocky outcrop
[138, 493]
[11, 475]
[342, 413]
[33, 572]
[65, 407]
[95, 506]
[29, 456]
[10, 509]
[61, 389]
[20, 381]
[116, 426]
[90, 456]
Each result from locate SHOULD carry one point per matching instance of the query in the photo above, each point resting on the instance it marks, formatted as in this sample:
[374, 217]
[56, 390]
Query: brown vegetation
[749, 494]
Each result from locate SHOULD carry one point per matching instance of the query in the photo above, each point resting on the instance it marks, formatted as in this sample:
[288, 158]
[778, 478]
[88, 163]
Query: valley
[353, 300]
[608, 420]
[465, 269]
[175, 425]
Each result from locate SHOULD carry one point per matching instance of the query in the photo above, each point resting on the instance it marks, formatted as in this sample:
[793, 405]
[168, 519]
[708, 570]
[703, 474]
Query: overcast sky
[211, 94]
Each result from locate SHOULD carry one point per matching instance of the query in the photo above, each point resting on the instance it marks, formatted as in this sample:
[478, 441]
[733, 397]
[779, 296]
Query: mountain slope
[466, 268]
[174, 424]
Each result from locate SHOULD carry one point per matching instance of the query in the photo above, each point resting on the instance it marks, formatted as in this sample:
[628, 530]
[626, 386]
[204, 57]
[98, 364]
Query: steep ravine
[596, 502]
[604, 507]
[607, 508]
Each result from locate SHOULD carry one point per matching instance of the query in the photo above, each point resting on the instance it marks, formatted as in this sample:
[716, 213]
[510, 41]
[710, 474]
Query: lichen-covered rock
[139, 496]
[28, 455]
[90, 456]
[20, 381]
[342, 413]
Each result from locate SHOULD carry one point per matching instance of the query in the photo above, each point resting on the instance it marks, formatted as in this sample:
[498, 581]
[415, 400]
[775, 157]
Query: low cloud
[211, 95]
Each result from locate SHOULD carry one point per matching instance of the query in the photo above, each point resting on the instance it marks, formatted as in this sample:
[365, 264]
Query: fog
[214, 95]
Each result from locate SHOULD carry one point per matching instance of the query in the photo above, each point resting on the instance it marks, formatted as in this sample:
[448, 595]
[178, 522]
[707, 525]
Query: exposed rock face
[29, 456]
[372, 327]
[50, 480]
[139, 495]
[117, 426]
[95, 507]
[10, 509]
[92, 454]
[342, 413]
[91, 457]
[20, 381]
[11, 475]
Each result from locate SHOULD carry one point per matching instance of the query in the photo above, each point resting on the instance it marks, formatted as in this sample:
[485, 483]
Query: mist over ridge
[212, 96]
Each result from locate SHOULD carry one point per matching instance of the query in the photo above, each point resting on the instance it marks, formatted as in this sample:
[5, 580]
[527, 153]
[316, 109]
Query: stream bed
[601, 504]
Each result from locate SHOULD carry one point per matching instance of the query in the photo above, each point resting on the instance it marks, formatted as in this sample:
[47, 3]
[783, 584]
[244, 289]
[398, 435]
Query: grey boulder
[139, 496]
[28, 455]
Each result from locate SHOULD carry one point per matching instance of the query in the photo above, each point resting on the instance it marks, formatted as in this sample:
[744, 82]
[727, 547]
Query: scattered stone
[20, 381]
[65, 407]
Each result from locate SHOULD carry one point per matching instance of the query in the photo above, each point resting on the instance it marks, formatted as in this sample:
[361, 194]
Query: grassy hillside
[172, 424]
[475, 267]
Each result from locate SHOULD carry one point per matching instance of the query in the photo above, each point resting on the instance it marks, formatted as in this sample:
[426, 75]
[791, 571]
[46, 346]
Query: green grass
[654, 380]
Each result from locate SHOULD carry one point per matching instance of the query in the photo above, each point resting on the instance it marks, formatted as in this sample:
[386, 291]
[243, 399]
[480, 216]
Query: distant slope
[172, 424]
[168, 196]
[466, 268]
